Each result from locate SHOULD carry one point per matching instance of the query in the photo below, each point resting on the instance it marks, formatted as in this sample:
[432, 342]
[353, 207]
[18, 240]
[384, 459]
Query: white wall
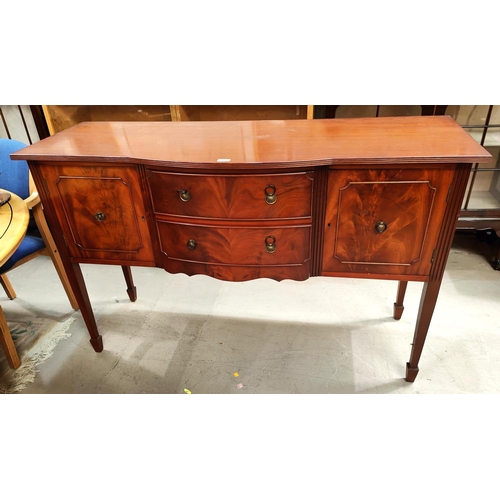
[14, 125]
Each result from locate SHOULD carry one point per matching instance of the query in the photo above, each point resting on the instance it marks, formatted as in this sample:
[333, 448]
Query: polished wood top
[17, 229]
[421, 139]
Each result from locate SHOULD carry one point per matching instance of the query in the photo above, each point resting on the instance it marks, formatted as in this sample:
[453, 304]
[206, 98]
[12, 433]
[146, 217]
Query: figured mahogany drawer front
[254, 246]
[231, 196]
[384, 221]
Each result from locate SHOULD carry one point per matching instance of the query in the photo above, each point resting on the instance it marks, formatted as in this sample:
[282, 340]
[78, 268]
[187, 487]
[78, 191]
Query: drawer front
[231, 196]
[384, 222]
[101, 211]
[270, 246]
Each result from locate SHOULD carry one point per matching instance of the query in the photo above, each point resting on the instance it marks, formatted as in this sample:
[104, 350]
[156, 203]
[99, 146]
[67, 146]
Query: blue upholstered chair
[16, 178]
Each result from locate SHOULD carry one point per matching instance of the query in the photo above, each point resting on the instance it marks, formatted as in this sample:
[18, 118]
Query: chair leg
[8, 343]
[131, 289]
[7, 286]
[54, 253]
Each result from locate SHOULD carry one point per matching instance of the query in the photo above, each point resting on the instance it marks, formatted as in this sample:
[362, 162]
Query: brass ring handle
[184, 195]
[270, 244]
[191, 244]
[381, 226]
[270, 192]
[100, 216]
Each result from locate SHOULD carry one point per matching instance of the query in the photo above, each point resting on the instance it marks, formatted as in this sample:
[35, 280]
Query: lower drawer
[245, 246]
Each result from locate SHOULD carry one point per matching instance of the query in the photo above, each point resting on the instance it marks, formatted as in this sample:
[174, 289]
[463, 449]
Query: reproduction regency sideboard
[283, 199]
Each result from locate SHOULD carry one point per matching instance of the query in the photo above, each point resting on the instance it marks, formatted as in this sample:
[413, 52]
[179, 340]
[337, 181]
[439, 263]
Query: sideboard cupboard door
[101, 211]
[384, 222]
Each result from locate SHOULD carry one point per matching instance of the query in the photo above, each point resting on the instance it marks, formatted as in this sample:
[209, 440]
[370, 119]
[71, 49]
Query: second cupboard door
[384, 222]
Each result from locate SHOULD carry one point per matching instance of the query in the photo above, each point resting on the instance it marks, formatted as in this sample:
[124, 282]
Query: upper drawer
[248, 197]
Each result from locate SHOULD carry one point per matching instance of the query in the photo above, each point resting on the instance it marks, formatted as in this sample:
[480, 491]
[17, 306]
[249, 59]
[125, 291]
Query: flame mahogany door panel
[384, 221]
[101, 210]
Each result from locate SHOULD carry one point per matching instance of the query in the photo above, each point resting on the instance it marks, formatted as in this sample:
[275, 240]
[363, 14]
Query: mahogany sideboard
[282, 199]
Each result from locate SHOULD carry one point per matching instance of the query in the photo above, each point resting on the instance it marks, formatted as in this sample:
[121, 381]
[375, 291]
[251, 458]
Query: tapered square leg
[428, 300]
[97, 344]
[411, 373]
[131, 289]
[398, 305]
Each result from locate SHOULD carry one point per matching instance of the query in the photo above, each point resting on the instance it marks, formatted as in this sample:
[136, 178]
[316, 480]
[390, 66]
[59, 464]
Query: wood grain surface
[101, 210]
[284, 143]
[232, 196]
[14, 218]
[410, 202]
[235, 245]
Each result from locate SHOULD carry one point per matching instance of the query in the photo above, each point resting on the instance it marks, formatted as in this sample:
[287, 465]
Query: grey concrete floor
[324, 335]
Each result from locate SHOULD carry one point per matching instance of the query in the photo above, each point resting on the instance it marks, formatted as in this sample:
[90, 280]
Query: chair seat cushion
[29, 245]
